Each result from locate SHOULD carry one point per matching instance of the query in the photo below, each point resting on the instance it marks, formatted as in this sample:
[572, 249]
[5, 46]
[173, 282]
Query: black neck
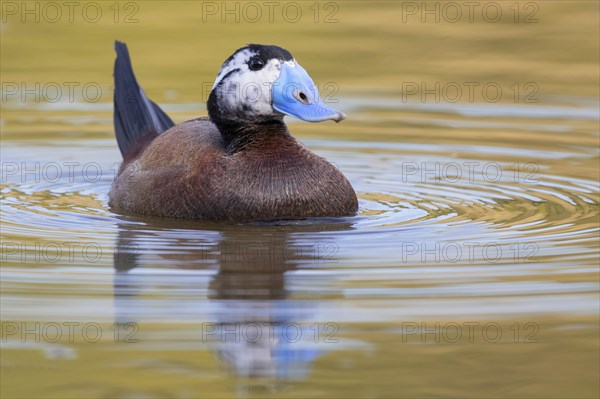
[239, 134]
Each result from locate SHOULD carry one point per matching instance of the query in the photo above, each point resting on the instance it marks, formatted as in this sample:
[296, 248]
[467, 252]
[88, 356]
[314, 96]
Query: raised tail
[137, 119]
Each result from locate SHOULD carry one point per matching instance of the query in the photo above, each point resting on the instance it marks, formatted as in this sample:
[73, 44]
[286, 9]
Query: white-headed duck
[240, 163]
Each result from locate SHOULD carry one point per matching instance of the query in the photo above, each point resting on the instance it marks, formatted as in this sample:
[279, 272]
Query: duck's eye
[255, 64]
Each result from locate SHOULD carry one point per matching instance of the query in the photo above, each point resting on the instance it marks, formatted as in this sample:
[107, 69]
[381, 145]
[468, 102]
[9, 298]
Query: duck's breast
[290, 183]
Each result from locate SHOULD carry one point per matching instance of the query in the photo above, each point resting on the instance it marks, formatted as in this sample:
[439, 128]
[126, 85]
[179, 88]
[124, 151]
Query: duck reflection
[254, 327]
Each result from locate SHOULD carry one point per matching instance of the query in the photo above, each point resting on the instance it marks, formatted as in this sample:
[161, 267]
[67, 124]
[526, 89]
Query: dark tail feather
[136, 117]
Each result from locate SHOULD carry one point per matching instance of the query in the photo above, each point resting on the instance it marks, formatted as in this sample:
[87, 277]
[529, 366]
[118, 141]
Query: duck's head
[261, 83]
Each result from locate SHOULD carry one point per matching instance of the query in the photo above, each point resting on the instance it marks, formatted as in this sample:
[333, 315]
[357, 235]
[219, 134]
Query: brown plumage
[229, 171]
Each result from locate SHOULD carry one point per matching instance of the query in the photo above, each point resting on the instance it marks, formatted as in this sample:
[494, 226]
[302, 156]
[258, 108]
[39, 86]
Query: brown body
[190, 172]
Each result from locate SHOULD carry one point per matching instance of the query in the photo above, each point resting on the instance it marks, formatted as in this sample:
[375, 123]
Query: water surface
[470, 270]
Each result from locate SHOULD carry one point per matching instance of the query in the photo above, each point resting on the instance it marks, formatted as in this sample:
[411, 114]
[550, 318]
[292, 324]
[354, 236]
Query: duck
[240, 163]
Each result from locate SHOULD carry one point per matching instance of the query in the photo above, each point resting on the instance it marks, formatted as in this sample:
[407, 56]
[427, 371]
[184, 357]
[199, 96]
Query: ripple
[399, 190]
[452, 220]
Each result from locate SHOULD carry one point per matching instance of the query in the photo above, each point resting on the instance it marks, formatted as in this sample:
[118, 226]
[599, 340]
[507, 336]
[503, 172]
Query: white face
[246, 92]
